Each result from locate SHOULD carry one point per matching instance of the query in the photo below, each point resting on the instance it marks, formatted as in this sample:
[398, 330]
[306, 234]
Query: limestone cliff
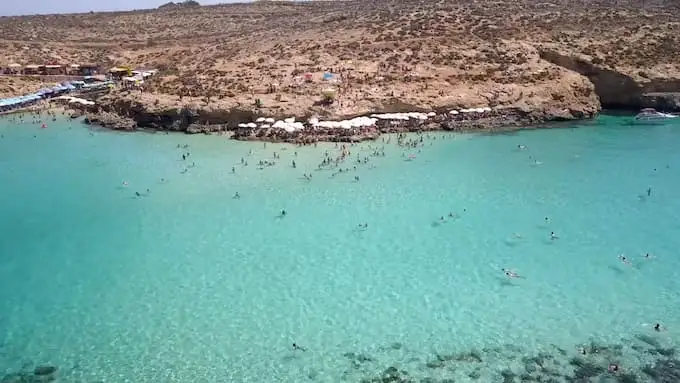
[618, 90]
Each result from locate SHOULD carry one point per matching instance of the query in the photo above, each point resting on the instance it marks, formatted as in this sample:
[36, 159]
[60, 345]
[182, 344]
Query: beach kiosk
[88, 69]
[117, 73]
[32, 69]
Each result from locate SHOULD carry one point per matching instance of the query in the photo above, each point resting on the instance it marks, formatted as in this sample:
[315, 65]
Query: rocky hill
[567, 57]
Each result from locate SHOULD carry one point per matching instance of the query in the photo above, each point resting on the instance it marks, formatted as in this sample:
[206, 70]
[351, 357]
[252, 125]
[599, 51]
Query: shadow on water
[505, 282]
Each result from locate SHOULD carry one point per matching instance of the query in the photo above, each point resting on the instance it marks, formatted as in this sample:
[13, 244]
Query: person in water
[614, 368]
[237, 196]
[625, 260]
[553, 236]
[658, 327]
[283, 213]
[298, 348]
[511, 274]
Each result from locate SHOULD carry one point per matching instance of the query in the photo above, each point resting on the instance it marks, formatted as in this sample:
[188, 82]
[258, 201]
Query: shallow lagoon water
[188, 284]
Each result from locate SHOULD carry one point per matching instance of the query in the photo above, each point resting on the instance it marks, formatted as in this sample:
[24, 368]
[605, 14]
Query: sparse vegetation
[432, 50]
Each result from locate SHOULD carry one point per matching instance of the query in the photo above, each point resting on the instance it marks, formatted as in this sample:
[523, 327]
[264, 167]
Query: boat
[651, 115]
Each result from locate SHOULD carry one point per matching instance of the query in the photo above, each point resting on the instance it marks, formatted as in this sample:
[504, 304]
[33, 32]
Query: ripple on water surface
[187, 283]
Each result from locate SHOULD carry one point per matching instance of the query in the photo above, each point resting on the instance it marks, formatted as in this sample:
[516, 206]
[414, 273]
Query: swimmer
[553, 236]
[648, 256]
[233, 169]
[125, 183]
[649, 192]
[237, 196]
[517, 235]
[613, 368]
[137, 194]
[283, 213]
[521, 147]
[511, 274]
[658, 327]
[547, 220]
[296, 347]
[625, 260]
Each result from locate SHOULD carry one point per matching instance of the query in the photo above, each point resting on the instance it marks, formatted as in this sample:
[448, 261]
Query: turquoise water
[187, 284]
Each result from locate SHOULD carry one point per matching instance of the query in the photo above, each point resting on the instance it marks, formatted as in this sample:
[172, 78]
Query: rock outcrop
[618, 90]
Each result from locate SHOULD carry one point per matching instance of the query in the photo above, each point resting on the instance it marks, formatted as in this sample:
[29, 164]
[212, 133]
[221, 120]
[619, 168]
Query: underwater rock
[584, 369]
[435, 363]
[14, 378]
[44, 370]
[508, 376]
[667, 352]
[649, 340]
[475, 375]
[664, 371]
[390, 375]
[472, 356]
[627, 377]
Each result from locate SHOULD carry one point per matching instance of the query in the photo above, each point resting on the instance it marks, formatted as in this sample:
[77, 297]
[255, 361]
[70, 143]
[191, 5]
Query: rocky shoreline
[118, 114]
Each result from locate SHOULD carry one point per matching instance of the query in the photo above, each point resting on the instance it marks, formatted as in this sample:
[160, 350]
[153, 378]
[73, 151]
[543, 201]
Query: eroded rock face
[619, 90]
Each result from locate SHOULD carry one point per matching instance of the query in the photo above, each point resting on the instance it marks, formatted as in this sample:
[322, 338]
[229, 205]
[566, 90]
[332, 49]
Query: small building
[118, 73]
[14, 68]
[88, 69]
[54, 69]
[31, 69]
[73, 69]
